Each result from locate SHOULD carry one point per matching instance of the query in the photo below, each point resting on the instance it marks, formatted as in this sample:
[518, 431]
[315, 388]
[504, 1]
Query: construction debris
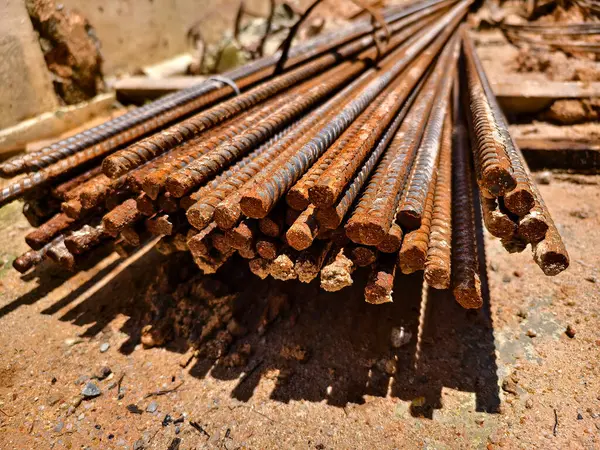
[357, 154]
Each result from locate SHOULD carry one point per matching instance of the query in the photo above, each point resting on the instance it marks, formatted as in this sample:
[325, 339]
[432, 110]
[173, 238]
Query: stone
[104, 347]
[570, 331]
[531, 333]
[544, 177]
[91, 390]
[400, 337]
[152, 407]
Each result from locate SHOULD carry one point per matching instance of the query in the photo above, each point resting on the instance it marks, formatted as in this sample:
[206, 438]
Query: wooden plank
[574, 155]
[546, 89]
[137, 88]
[53, 123]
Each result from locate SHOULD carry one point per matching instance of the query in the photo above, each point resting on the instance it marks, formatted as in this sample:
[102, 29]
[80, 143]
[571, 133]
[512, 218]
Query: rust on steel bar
[310, 261]
[32, 258]
[330, 185]
[258, 202]
[182, 181]
[200, 205]
[204, 209]
[41, 236]
[123, 215]
[495, 174]
[466, 284]
[134, 156]
[297, 196]
[83, 240]
[519, 199]
[413, 252]
[496, 219]
[380, 286]
[183, 102]
[363, 256]
[377, 209]
[63, 190]
[267, 248]
[183, 155]
[303, 231]
[392, 241]
[410, 211]
[332, 217]
[273, 224]
[438, 262]
[228, 211]
[337, 273]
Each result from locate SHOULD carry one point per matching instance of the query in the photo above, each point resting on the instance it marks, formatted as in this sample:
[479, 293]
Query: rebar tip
[254, 205]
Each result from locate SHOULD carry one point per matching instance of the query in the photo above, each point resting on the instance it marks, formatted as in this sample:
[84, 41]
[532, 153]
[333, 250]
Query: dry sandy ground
[464, 380]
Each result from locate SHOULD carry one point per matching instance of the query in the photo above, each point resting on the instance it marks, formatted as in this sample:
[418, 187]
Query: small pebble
[579, 416]
[591, 279]
[59, 426]
[98, 426]
[104, 372]
[152, 407]
[104, 347]
[570, 331]
[544, 177]
[81, 416]
[529, 403]
[531, 333]
[138, 445]
[91, 390]
[177, 430]
[400, 337]
[506, 279]
[69, 342]
[167, 420]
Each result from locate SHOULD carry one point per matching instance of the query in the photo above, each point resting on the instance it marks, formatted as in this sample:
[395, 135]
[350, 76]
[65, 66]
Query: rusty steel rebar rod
[124, 160]
[466, 283]
[518, 199]
[411, 209]
[332, 217]
[180, 103]
[495, 174]
[376, 211]
[438, 262]
[260, 201]
[272, 173]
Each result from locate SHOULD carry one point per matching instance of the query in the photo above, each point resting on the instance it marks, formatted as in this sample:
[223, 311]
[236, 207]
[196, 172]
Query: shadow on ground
[348, 341]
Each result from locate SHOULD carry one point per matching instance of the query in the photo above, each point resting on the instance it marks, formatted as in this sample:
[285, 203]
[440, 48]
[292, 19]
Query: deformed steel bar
[377, 209]
[141, 152]
[332, 217]
[518, 200]
[380, 286]
[411, 210]
[193, 98]
[438, 263]
[261, 200]
[466, 283]
[495, 174]
[44, 234]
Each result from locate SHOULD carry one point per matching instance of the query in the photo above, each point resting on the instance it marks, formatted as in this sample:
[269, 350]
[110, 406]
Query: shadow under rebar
[343, 342]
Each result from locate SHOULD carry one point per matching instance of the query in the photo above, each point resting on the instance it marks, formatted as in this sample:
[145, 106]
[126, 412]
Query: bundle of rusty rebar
[357, 154]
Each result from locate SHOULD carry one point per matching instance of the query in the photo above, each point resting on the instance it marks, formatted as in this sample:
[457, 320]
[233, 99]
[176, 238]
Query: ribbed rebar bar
[438, 263]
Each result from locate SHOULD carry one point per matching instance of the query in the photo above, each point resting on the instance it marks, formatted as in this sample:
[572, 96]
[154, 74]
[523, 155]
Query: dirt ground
[324, 375]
